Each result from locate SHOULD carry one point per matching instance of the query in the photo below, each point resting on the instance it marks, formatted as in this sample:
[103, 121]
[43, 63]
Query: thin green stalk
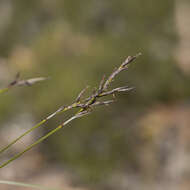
[77, 115]
[31, 146]
[31, 129]
[3, 90]
[20, 184]
[17, 139]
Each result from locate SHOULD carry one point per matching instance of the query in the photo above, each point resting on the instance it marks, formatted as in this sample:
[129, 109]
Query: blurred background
[140, 142]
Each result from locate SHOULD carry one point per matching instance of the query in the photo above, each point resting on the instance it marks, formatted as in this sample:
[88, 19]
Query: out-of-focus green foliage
[75, 43]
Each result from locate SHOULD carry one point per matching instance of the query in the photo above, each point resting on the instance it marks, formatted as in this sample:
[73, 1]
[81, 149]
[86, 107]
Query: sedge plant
[18, 82]
[85, 105]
